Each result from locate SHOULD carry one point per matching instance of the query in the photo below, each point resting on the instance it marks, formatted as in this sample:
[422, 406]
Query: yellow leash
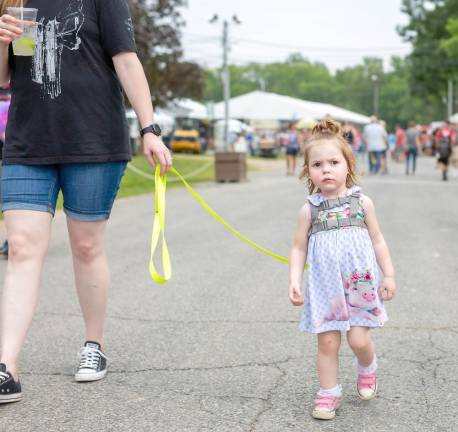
[159, 226]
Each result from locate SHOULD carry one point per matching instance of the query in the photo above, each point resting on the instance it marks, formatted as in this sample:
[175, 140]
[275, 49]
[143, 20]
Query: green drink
[25, 45]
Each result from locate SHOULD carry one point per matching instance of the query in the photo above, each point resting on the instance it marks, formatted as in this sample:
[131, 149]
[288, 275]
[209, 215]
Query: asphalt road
[218, 347]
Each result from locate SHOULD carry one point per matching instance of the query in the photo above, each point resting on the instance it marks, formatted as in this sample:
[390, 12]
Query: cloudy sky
[336, 32]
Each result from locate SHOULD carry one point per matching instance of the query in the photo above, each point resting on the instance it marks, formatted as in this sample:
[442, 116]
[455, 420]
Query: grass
[134, 184]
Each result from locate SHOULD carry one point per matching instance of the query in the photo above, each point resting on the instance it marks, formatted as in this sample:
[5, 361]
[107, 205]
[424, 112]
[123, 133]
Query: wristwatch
[153, 128]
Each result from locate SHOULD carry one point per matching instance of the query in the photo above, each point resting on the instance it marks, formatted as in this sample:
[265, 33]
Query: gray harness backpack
[336, 223]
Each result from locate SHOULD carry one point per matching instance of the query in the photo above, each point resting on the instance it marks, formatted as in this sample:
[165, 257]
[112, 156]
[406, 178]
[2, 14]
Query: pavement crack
[267, 402]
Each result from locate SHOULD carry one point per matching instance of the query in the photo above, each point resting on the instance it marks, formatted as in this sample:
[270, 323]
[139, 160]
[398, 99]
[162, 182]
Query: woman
[67, 131]
[292, 149]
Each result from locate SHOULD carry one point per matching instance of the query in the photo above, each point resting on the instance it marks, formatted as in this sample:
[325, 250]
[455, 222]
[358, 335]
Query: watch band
[152, 128]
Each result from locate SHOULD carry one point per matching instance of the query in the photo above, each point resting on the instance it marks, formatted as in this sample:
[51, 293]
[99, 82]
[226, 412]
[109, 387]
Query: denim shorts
[88, 189]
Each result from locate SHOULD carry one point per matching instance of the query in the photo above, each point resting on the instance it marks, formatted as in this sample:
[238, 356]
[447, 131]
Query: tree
[157, 27]
[450, 45]
[431, 67]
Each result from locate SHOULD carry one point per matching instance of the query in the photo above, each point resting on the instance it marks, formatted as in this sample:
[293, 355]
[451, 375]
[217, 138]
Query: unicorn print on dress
[53, 37]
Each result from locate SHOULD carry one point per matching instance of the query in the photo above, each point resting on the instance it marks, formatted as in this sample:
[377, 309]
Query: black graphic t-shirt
[67, 105]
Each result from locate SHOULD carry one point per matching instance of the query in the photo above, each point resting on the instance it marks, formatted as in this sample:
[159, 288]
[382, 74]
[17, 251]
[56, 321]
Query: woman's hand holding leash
[155, 150]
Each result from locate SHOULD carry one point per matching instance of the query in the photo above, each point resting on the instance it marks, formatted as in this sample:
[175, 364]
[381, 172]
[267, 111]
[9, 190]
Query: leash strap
[159, 226]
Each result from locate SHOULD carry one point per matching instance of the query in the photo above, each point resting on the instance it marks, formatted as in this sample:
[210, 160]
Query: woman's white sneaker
[92, 363]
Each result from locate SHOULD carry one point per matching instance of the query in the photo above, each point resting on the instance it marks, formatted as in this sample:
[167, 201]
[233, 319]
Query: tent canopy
[187, 108]
[260, 105]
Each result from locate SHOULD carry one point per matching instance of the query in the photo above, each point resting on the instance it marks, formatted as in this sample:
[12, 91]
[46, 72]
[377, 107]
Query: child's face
[328, 167]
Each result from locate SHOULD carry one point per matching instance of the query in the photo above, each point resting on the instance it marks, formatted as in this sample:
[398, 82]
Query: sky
[338, 33]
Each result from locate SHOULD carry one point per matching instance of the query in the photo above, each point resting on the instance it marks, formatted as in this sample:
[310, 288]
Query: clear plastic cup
[25, 45]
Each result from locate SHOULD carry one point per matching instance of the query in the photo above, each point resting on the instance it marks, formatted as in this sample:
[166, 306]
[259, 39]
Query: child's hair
[329, 130]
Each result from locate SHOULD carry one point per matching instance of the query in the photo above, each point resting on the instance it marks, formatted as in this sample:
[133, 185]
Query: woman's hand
[10, 29]
[388, 288]
[155, 151]
[295, 295]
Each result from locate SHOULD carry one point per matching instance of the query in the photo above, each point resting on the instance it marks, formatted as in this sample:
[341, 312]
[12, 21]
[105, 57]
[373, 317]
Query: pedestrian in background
[349, 133]
[339, 237]
[413, 147]
[384, 155]
[375, 137]
[444, 139]
[292, 149]
[400, 143]
[67, 131]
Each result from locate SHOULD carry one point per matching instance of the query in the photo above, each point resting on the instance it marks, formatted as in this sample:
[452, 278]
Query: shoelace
[367, 381]
[3, 377]
[89, 358]
[326, 402]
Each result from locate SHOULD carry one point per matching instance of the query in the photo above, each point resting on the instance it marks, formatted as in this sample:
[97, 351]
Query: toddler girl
[339, 237]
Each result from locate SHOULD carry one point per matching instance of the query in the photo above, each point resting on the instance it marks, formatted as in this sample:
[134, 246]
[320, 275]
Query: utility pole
[450, 99]
[376, 94]
[226, 83]
[226, 76]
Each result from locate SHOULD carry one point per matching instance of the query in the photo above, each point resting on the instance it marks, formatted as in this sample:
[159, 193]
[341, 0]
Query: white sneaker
[92, 363]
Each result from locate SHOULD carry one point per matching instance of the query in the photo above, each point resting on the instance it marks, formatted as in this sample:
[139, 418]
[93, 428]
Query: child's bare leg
[360, 341]
[328, 358]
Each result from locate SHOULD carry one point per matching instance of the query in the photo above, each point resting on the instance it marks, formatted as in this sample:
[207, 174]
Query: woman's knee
[23, 246]
[87, 249]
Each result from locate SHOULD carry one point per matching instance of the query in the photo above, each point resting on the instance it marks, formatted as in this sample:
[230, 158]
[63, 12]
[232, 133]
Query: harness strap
[326, 225]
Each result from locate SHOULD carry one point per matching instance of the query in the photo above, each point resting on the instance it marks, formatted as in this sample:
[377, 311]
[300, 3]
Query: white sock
[334, 391]
[368, 369]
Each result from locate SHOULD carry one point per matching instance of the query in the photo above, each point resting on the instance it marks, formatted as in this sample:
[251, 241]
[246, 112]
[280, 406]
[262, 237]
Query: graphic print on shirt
[53, 37]
[129, 26]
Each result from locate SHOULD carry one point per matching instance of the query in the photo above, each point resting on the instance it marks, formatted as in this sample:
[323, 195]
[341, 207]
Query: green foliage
[157, 27]
[450, 45]
[431, 67]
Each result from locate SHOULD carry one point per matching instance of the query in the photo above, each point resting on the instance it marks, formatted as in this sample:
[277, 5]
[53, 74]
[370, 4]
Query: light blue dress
[343, 278]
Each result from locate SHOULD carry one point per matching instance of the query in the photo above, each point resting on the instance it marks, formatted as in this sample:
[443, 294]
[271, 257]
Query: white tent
[187, 108]
[454, 118]
[260, 105]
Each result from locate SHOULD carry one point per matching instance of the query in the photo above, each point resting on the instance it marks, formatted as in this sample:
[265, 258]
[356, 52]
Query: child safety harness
[336, 223]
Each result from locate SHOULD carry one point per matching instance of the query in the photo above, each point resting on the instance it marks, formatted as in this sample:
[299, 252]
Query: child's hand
[388, 288]
[295, 295]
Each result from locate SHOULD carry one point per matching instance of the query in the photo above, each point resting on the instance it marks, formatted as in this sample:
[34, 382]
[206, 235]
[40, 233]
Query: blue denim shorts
[89, 189]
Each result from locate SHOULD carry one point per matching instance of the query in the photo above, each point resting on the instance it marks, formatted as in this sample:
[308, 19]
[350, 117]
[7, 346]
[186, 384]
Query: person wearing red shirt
[444, 140]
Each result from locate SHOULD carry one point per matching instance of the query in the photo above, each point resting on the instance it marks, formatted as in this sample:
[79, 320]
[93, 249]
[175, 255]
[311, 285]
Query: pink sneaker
[325, 407]
[367, 386]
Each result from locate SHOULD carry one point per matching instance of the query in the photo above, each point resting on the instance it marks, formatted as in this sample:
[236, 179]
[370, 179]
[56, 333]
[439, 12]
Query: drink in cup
[25, 45]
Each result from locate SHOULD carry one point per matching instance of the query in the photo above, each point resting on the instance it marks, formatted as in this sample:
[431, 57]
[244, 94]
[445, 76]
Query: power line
[302, 47]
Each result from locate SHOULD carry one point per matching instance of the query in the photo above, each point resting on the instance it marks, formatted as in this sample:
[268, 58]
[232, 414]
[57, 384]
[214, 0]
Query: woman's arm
[9, 30]
[298, 256]
[133, 80]
[382, 253]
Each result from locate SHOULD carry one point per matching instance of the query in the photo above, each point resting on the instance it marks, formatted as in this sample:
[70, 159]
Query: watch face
[156, 129]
